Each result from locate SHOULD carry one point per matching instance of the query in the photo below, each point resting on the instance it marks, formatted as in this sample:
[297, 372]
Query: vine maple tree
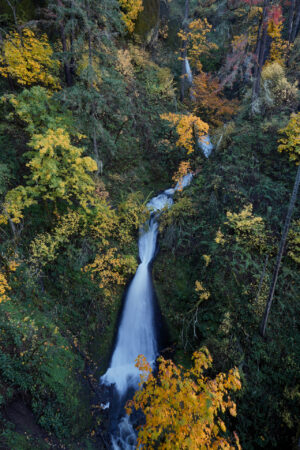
[209, 100]
[130, 12]
[188, 127]
[29, 59]
[57, 171]
[182, 407]
[195, 38]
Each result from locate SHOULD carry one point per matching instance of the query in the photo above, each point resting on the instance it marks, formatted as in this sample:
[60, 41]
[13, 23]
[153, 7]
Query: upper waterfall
[188, 71]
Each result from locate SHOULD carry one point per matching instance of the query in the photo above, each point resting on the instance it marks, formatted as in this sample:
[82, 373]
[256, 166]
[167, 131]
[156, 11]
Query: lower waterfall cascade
[137, 333]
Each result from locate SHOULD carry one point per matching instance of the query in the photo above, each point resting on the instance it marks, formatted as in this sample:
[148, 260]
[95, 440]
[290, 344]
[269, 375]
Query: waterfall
[137, 331]
[188, 71]
[204, 143]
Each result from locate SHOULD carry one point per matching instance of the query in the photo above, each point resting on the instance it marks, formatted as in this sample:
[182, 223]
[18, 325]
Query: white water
[136, 334]
[188, 71]
[204, 143]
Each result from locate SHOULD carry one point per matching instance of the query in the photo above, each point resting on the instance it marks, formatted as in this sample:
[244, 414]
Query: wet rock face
[148, 19]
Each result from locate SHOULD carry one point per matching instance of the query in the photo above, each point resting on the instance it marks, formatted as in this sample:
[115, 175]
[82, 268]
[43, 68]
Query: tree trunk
[72, 41]
[296, 22]
[67, 70]
[260, 52]
[291, 19]
[280, 253]
[67, 67]
[184, 49]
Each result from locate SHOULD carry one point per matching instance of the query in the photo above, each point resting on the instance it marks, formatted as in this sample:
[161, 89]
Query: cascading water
[188, 71]
[137, 331]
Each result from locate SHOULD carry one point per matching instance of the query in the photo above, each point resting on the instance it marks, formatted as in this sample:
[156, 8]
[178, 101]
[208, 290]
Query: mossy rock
[148, 19]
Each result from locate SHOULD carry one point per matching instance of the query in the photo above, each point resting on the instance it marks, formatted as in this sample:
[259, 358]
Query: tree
[279, 47]
[270, 26]
[291, 141]
[194, 43]
[260, 52]
[182, 407]
[29, 59]
[130, 12]
[188, 127]
[294, 20]
[209, 100]
[113, 265]
[291, 144]
[58, 171]
[196, 39]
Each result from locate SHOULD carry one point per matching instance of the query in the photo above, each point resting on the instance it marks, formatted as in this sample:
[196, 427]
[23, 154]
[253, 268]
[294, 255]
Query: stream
[138, 333]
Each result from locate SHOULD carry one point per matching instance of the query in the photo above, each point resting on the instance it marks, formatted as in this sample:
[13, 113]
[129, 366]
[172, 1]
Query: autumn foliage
[210, 102]
[290, 142]
[182, 407]
[28, 59]
[279, 47]
[57, 171]
[196, 39]
[188, 127]
[130, 12]
[183, 169]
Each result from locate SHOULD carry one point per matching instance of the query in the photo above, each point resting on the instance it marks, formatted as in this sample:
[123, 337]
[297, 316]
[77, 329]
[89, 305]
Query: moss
[148, 19]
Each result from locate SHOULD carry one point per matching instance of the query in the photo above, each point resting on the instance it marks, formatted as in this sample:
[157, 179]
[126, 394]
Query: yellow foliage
[249, 229]
[58, 171]
[291, 141]
[130, 12]
[45, 246]
[279, 47]
[125, 66]
[12, 266]
[15, 202]
[183, 169]
[207, 259]
[93, 66]
[209, 100]
[4, 287]
[104, 224]
[159, 80]
[276, 89]
[196, 38]
[111, 268]
[182, 407]
[219, 239]
[29, 60]
[188, 127]
[131, 214]
[203, 293]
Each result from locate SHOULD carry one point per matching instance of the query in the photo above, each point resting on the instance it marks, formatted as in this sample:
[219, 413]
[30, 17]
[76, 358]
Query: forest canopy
[105, 104]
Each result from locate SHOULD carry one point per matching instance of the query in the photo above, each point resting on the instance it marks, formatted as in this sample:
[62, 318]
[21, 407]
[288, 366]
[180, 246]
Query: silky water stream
[137, 333]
